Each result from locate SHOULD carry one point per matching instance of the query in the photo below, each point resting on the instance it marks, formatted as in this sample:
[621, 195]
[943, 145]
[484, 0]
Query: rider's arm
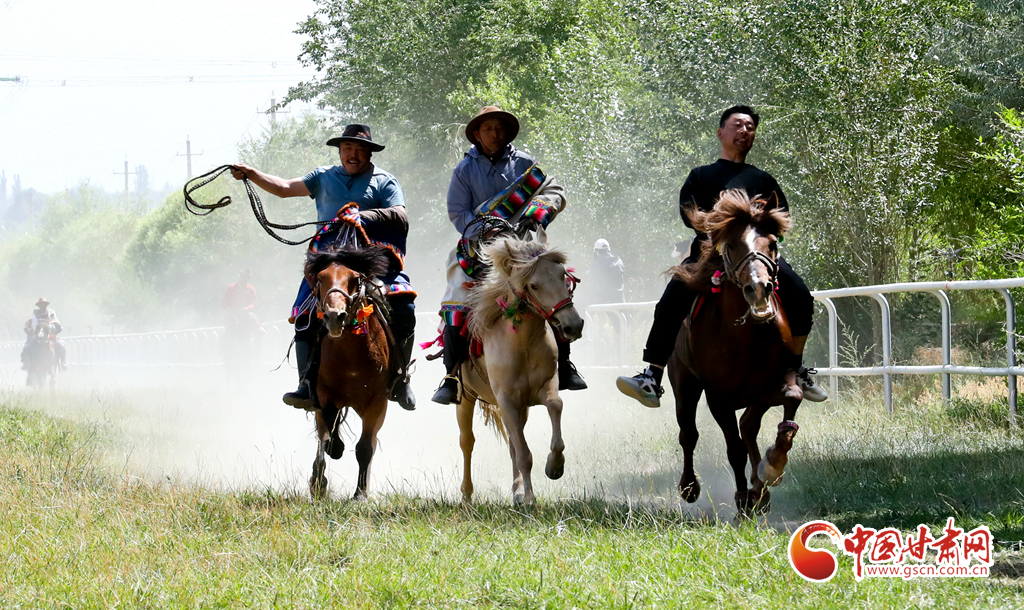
[274, 185]
[394, 217]
[688, 196]
[460, 201]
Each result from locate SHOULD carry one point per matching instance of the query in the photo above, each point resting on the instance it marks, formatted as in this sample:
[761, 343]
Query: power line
[135, 81]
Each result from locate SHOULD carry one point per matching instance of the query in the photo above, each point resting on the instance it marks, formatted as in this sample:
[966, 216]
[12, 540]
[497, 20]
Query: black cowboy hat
[493, 112]
[356, 133]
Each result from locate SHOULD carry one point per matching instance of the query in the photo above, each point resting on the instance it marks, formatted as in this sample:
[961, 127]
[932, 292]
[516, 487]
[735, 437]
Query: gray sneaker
[643, 388]
[812, 391]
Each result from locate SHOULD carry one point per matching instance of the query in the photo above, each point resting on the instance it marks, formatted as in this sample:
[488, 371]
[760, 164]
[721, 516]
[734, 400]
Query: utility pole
[273, 109]
[188, 155]
[126, 174]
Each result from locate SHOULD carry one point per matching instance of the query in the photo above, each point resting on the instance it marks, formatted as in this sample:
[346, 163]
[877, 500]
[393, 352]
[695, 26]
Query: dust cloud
[190, 426]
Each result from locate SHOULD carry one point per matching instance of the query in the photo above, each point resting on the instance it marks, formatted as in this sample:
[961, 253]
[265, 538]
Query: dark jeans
[677, 300]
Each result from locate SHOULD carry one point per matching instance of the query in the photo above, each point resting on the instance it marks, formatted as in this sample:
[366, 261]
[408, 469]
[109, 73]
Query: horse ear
[772, 202]
[502, 256]
[541, 236]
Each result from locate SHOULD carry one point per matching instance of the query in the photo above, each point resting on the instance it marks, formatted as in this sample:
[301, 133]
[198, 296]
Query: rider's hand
[527, 225]
[239, 171]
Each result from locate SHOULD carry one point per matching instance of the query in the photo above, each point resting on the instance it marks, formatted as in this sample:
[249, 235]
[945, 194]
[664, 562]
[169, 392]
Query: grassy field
[82, 529]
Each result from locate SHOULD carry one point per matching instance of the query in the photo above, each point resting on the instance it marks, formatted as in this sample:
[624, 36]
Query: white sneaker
[812, 391]
[643, 388]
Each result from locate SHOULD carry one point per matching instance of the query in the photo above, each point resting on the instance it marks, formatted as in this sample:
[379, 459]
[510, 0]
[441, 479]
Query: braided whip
[201, 209]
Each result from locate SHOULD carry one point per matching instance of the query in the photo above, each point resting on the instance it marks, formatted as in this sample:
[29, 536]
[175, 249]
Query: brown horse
[526, 292]
[735, 346]
[354, 355]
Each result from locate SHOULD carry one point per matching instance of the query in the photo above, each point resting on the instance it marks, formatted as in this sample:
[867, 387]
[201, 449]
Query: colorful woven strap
[506, 203]
[540, 212]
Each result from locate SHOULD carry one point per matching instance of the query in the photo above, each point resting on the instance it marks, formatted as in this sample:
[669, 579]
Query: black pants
[677, 300]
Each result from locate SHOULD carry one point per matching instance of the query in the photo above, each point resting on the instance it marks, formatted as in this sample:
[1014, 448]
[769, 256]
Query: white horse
[517, 308]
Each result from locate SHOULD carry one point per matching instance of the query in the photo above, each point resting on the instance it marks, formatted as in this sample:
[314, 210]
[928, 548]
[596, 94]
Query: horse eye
[532, 286]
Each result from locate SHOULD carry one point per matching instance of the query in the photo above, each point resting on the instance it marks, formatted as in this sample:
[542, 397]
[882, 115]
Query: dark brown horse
[736, 345]
[354, 355]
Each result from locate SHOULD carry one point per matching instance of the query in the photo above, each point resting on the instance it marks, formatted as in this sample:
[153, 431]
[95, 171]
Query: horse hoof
[689, 492]
[318, 488]
[768, 474]
[761, 503]
[335, 448]
[555, 466]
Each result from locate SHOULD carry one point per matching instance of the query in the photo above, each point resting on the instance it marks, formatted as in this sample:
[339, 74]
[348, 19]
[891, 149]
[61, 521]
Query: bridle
[571, 281]
[353, 303]
[732, 274]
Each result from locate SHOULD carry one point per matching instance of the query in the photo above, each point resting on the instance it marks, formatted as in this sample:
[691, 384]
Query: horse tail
[492, 419]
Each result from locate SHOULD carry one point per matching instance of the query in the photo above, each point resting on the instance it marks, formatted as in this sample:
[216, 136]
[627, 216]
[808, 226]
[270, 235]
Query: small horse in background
[41, 358]
[526, 292]
[354, 354]
[735, 345]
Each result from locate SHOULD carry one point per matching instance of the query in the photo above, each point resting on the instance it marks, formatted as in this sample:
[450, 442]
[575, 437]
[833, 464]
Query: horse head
[745, 233]
[538, 276]
[339, 278]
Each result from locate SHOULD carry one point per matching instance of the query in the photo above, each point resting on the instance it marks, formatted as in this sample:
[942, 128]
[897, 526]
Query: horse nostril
[749, 291]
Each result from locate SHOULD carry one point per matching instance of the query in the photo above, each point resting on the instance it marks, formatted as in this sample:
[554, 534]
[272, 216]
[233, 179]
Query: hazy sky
[109, 79]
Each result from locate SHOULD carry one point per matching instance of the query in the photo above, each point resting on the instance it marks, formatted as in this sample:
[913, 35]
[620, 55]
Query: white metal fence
[201, 346]
[621, 312]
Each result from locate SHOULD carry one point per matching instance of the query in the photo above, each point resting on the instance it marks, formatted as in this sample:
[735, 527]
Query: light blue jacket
[476, 179]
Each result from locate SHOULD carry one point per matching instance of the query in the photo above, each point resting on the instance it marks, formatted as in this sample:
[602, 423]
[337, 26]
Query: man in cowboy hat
[490, 171]
[381, 203]
[43, 314]
[704, 185]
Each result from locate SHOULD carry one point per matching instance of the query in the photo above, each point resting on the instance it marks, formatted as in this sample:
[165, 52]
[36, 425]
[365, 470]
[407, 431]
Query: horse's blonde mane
[734, 209]
[513, 262]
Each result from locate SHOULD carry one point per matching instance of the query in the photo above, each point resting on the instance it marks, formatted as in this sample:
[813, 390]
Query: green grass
[79, 530]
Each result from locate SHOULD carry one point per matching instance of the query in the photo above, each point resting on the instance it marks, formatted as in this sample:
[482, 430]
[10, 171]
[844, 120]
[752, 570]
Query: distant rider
[380, 201]
[43, 313]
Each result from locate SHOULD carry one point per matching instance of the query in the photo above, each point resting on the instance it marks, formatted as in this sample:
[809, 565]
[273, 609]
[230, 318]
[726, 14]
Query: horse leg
[514, 418]
[555, 466]
[735, 450]
[318, 480]
[774, 463]
[373, 419]
[464, 413]
[687, 391]
[750, 425]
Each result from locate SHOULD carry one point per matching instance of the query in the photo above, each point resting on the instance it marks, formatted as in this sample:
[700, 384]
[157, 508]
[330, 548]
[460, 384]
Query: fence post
[833, 344]
[883, 303]
[946, 350]
[1011, 353]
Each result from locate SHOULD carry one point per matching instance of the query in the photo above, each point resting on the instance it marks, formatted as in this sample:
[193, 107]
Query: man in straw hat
[381, 205]
[492, 175]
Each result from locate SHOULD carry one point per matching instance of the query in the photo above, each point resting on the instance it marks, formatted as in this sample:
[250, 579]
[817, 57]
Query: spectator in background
[680, 250]
[239, 296]
[607, 276]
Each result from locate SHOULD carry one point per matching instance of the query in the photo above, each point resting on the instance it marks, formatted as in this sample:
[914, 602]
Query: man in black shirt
[736, 130]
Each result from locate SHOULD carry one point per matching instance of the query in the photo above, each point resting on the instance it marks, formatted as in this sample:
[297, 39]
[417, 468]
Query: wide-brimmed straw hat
[42, 302]
[356, 132]
[493, 112]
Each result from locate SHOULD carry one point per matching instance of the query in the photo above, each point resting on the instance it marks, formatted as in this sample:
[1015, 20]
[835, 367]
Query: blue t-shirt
[333, 187]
